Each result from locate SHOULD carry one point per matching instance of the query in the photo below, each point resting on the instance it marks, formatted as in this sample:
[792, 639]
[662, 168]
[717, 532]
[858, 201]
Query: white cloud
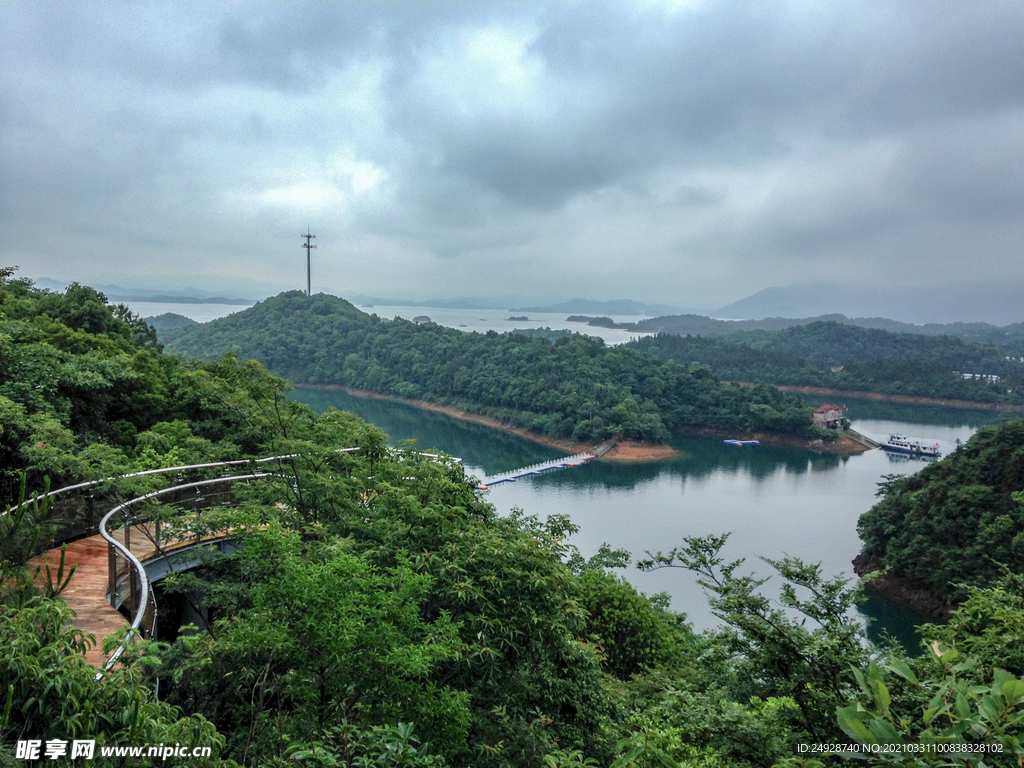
[675, 151]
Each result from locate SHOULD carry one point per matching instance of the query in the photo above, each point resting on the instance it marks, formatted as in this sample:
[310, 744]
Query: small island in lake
[599, 322]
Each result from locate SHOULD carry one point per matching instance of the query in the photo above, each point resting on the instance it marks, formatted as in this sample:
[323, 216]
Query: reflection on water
[775, 501]
[700, 458]
[886, 621]
[483, 448]
[907, 458]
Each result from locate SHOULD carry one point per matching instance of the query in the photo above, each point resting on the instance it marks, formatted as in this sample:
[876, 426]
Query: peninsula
[576, 390]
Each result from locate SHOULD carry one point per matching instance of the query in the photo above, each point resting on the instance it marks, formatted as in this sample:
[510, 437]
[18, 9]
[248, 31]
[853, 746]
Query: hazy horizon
[999, 306]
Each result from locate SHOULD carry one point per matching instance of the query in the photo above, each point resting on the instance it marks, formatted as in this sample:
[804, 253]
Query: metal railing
[127, 581]
[140, 596]
[78, 519]
[91, 486]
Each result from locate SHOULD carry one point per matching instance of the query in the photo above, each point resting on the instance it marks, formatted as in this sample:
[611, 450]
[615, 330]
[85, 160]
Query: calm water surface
[774, 501]
[201, 313]
[483, 320]
[480, 320]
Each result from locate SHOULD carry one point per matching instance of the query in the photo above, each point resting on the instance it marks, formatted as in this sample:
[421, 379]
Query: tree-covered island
[576, 388]
[840, 356]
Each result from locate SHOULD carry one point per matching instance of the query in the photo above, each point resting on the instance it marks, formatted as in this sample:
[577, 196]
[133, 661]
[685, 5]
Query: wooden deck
[86, 594]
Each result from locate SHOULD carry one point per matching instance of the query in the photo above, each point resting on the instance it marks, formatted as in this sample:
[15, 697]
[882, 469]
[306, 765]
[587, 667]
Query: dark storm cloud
[733, 145]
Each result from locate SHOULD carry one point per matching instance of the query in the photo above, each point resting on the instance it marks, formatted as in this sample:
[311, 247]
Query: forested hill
[576, 388]
[869, 359]
[85, 392]
[957, 521]
[1009, 338]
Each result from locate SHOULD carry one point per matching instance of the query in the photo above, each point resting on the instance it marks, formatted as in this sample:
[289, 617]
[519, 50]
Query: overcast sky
[688, 153]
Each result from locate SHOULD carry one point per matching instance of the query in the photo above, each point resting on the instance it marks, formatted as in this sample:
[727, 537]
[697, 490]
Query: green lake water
[774, 501]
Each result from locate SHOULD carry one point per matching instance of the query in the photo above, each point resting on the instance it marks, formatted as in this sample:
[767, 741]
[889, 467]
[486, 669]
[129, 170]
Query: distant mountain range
[456, 303]
[995, 304]
[1009, 337]
[999, 304]
[162, 296]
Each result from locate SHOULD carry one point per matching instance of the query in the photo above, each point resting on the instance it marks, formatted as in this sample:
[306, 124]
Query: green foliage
[777, 656]
[327, 638]
[521, 670]
[58, 580]
[541, 333]
[170, 326]
[490, 636]
[958, 521]
[49, 691]
[576, 388]
[25, 531]
[632, 634]
[977, 724]
[872, 360]
[81, 381]
[391, 746]
[379, 613]
[1009, 338]
[988, 625]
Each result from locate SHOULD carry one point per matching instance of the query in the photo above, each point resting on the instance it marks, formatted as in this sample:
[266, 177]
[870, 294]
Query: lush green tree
[632, 632]
[843, 356]
[576, 387]
[957, 522]
[326, 640]
[960, 703]
[378, 612]
[770, 654]
[48, 690]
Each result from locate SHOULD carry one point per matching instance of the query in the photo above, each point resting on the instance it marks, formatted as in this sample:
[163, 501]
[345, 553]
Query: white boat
[904, 444]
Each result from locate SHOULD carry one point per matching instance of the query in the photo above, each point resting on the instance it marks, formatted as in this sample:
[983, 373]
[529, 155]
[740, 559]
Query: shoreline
[624, 450]
[898, 590]
[888, 398]
[842, 445]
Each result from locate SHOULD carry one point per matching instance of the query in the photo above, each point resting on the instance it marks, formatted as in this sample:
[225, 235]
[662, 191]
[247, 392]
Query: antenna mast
[307, 237]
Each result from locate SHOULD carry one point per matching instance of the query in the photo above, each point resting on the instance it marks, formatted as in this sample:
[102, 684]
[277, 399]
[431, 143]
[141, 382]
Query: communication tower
[307, 237]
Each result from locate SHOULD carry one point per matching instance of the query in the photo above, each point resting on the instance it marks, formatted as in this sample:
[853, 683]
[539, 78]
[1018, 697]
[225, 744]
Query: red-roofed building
[828, 417]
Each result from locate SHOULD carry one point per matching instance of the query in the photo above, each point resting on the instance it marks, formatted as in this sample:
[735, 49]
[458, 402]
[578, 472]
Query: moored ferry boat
[904, 444]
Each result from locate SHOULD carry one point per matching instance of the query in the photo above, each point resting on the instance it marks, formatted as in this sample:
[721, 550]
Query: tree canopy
[841, 356]
[576, 388]
[960, 521]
